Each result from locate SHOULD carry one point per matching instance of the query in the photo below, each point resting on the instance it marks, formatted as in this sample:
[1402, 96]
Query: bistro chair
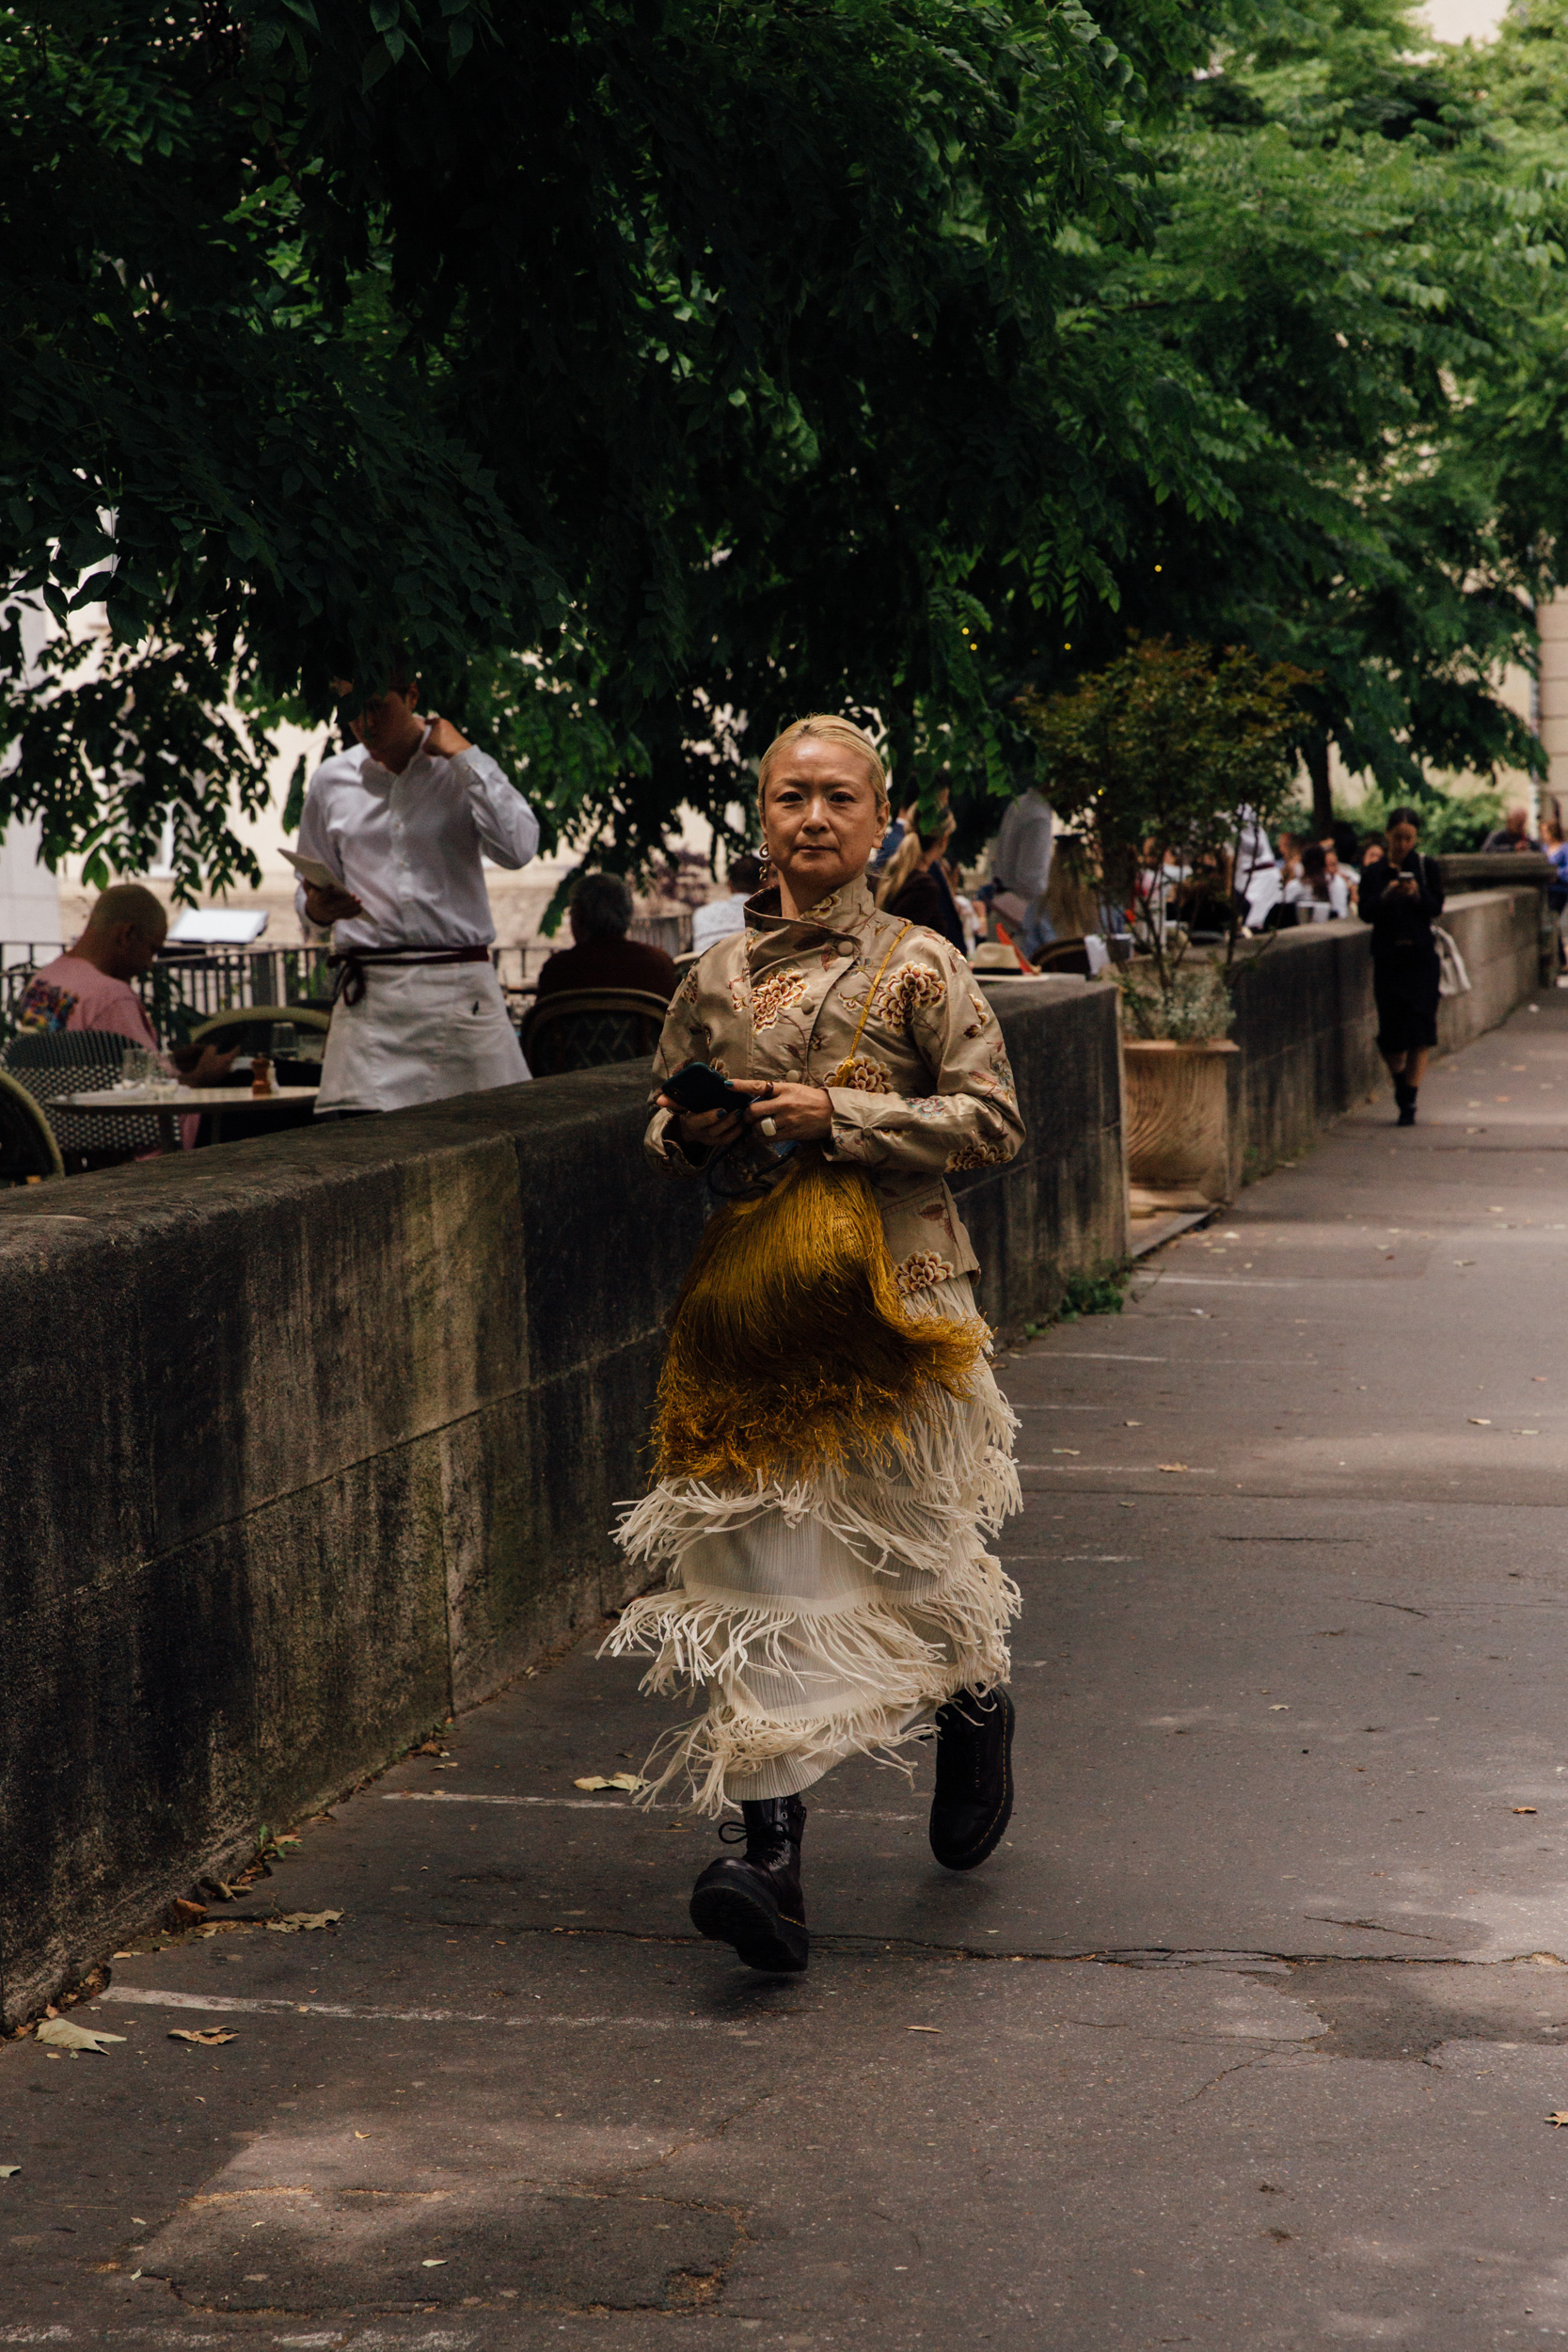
[27, 1147]
[581, 1028]
[51, 1062]
[248, 1030]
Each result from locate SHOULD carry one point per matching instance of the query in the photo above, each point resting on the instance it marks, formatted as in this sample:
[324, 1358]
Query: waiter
[402, 819]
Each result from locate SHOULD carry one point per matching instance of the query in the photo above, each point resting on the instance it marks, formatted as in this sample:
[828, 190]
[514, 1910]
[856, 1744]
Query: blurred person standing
[1402, 897]
[404, 820]
[723, 917]
[1020, 870]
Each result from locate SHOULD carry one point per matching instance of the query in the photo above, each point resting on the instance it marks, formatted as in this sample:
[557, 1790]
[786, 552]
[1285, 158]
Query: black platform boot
[1404, 1095]
[974, 1799]
[753, 1900]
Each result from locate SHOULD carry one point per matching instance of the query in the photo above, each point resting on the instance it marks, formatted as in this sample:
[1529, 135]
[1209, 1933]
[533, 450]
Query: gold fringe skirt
[827, 1613]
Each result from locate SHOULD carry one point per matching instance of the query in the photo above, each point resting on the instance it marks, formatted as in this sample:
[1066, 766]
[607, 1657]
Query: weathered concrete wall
[303, 1440]
[1307, 1023]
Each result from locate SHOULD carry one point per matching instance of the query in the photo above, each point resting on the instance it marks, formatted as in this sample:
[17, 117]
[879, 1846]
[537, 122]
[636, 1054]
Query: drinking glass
[133, 1067]
[285, 1042]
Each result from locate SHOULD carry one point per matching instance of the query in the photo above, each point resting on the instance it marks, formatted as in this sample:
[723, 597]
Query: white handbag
[1452, 979]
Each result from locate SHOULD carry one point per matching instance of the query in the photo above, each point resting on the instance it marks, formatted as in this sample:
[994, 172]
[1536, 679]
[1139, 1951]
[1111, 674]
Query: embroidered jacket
[930, 1091]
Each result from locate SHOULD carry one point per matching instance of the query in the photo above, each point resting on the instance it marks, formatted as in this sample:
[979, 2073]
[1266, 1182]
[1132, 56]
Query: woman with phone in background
[832, 1448]
[1402, 897]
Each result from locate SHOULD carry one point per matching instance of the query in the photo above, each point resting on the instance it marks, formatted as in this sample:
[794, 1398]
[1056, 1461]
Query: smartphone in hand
[700, 1087]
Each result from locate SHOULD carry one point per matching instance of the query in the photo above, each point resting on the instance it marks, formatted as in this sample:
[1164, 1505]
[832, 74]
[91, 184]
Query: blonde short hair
[826, 728]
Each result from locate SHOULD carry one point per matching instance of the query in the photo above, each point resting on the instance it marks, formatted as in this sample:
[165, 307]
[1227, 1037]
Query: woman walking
[1402, 897]
[830, 1445]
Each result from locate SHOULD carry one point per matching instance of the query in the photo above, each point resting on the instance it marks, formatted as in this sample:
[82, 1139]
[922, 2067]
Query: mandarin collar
[833, 917]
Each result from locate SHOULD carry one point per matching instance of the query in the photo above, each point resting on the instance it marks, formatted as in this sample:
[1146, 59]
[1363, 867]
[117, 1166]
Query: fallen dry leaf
[434, 2262]
[207, 2037]
[1525, 1808]
[1476, 1421]
[923, 2029]
[1560, 2118]
[1067, 1449]
[60, 2034]
[628, 1781]
[6, 2170]
[1170, 1466]
[294, 1922]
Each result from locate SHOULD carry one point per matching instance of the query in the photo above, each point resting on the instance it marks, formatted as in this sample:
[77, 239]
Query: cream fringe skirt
[830, 1617]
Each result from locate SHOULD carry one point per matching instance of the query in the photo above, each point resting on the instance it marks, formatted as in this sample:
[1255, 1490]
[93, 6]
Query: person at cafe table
[89, 987]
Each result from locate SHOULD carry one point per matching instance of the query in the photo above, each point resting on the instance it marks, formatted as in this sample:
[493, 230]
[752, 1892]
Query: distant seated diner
[601, 955]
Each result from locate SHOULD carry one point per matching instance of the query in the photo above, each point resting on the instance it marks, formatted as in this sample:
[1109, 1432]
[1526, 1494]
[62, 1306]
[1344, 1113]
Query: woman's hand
[702, 1131]
[798, 1114]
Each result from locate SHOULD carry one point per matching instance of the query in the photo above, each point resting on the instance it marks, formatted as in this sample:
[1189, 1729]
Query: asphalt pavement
[1247, 2037]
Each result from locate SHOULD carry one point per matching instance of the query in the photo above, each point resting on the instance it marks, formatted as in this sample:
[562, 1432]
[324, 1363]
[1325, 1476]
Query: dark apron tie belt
[349, 988]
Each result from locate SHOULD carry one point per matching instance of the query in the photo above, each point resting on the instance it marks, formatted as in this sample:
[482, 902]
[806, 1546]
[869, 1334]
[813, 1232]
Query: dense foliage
[650, 371]
[654, 370]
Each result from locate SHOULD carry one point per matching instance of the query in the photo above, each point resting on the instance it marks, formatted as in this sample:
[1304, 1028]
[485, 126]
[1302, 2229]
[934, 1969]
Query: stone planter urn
[1183, 1131]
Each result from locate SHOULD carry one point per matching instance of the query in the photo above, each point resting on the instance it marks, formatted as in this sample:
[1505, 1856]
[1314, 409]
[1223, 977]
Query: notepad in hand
[312, 871]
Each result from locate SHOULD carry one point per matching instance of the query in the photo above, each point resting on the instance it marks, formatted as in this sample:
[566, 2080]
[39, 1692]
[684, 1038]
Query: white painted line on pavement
[149, 1997]
[455, 1796]
[1098, 1356]
[607, 1804]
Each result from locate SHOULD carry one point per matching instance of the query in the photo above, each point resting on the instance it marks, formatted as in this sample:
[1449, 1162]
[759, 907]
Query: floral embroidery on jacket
[918, 1271]
[903, 993]
[868, 1077]
[774, 995]
[972, 1152]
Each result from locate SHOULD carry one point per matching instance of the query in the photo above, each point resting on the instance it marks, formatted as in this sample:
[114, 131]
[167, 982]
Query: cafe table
[229, 1105]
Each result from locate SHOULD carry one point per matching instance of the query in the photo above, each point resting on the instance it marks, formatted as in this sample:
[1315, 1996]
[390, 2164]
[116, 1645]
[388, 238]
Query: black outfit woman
[927, 898]
[1405, 968]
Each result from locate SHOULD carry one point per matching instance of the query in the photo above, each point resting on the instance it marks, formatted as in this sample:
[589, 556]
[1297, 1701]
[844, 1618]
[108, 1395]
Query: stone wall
[306, 1440]
[1306, 1024]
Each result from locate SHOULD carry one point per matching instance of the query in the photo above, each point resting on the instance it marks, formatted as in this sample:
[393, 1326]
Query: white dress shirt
[409, 847]
[1021, 861]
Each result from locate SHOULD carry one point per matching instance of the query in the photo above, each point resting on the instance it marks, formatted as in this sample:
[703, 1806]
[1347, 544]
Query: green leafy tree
[1345, 253]
[649, 372]
[1162, 762]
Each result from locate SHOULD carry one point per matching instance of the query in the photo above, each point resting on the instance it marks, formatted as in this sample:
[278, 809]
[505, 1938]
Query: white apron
[419, 1032]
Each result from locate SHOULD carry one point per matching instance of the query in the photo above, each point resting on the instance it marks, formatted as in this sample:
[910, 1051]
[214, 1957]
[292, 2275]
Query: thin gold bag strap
[848, 1062]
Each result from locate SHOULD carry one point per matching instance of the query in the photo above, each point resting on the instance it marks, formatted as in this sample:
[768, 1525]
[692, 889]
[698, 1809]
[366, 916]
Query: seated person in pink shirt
[603, 956]
[89, 987]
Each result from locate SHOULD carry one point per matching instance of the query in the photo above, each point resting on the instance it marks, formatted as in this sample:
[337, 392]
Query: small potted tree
[1174, 764]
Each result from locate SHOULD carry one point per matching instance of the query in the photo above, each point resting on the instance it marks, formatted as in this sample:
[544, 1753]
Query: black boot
[1404, 1095]
[753, 1900]
[974, 1798]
